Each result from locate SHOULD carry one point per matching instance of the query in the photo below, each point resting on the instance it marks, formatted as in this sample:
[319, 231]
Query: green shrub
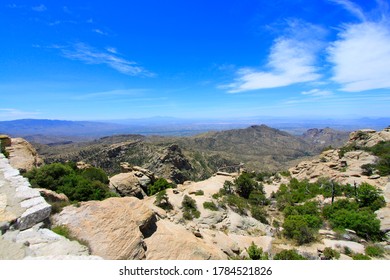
[257, 197]
[210, 206]
[363, 221]
[259, 214]
[256, 253]
[190, 210]
[285, 173]
[199, 192]
[297, 228]
[77, 185]
[346, 149]
[62, 230]
[382, 150]
[162, 201]
[331, 254]
[368, 169]
[3, 149]
[158, 186]
[237, 203]
[288, 255]
[360, 257]
[347, 251]
[245, 185]
[369, 196]
[374, 251]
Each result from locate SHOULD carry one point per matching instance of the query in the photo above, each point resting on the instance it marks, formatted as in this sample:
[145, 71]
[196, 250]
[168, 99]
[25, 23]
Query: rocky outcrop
[114, 228]
[22, 155]
[368, 137]
[134, 182]
[174, 242]
[52, 196]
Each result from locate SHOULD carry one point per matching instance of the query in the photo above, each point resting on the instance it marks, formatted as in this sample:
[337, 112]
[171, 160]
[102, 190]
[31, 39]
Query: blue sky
[97, 60]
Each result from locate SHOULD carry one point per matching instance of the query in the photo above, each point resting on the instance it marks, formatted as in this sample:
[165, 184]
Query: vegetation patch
[158, 186]
[162, 201]
[375, 251]
[76, 184]
[331, 254]
[256, 253]
[190, 210]
[210, 205]
[289, 255]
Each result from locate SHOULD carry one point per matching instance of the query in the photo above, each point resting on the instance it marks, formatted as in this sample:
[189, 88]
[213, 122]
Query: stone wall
[24, 215]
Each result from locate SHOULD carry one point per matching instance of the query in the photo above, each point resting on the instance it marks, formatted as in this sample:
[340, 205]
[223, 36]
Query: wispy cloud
[292, 60]
[12, 113]
[112, 50]
[317, 92]
[39, 8]
[352, 8]
[89, 55]
[99, 31]
[110, 94]
[361, 55]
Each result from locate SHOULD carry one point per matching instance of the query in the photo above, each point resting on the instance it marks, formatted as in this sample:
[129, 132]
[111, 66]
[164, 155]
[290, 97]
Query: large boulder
[114, 228]
[129, 184]
[22, 155]
[174, 242]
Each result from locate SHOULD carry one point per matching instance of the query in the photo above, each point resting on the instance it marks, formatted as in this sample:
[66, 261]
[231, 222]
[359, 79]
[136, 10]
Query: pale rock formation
[114, 228]
[133, 181]
[52, 196]
[22, 155]
[174, 242]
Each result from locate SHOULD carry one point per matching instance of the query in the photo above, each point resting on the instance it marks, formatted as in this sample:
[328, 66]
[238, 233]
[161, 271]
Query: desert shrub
[256, 253]
[2, 149]
[162, 200]
[159, 185]
[95, 174]
[190, 210]
[245, 185]
[296, 227]
[259, 214]
[199, 192]
[285, 173]
[369, 196]
[257, 197]
[62, 230]
[363, 221]
[288, 255]
[382, 150]
[77, 185]
[374, 251]
[237, 203]
[210, 206]
[228, 187]
[331, 254]
[368, 169]
[347, 251]
[360, 257]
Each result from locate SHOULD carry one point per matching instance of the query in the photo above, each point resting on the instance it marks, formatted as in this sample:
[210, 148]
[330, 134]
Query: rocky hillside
[233, 215]
[198, 157]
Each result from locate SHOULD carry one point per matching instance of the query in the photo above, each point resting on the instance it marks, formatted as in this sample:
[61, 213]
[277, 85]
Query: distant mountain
[29, 127]
[259, 147]
[326, 137]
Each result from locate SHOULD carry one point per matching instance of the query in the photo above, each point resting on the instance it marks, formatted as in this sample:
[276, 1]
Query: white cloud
[98, 31]
[110, 94]
[84, 53]
[291, 60]
[40, 8]
[361, 57]
[317, 92]
[112, 50]
[12, 114]
[352, 8]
